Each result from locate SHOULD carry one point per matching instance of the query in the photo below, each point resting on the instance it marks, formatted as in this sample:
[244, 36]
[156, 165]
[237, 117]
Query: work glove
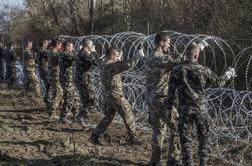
[202, 44]
[230, 73]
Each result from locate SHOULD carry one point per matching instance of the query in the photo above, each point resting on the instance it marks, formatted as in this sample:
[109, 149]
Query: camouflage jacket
[41, 58]
[111, 77]
[53, 70]
[1, 52]
[10, 55]
[28, 60]
[189, 81]
[157, 70]
[85, 60]
[66, 66]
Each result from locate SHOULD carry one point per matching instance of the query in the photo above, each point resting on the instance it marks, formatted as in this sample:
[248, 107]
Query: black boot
[173, 162]
[63, 120]
[94, 139]
[82, 120]
[134, 141]
[203, 161]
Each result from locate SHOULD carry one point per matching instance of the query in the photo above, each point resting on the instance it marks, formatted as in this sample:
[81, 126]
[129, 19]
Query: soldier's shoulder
[177, 67]
[202, 67]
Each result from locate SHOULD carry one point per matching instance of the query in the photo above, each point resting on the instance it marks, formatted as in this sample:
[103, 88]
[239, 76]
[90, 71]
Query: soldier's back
[53, 66]
[191, 81]
[82, 61]
[111, 81]
[66, 66]
[28, 60]
[156, 76]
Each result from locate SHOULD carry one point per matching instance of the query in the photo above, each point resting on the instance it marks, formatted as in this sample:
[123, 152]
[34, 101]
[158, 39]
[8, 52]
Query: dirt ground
[27, 137]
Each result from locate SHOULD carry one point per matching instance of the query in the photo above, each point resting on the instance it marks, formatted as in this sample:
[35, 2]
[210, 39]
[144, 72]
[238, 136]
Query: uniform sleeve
[95, 59]
[164, 62]
[24, 57]
[171, 95]
[37, 58]
[122, 66]
[81, 56]
[213, 79]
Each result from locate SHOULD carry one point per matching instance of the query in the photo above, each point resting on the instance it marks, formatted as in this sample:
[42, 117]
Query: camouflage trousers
[42, 74]
[122, 106]
[159, 128]
[10, 74]
[54, 96]
[186, 121]
[71, 100]
[1, 69]
[86, 92]
[31, 82]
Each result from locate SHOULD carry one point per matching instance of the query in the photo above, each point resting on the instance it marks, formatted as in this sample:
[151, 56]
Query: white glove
[230, 73]
[93, 49]
[141, 52]
[120, 56]
[202, 44]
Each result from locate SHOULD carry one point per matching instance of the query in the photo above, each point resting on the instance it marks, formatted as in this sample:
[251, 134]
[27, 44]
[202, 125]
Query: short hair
[66, 44]
[161, 36]
[42, 42]
[109, 51]
[54, 43]
[85, 41]
[192, 49]
[28, 41]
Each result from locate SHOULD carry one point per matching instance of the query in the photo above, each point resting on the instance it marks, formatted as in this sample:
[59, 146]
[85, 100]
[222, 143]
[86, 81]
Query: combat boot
[63, 120]
[81, 120]
[173, 162]
[203, 161]
[94, 139]
[53, 117]
[134, 140]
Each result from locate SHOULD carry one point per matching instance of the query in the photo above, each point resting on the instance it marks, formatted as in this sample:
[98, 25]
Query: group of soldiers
[174, 91]
[9, 56]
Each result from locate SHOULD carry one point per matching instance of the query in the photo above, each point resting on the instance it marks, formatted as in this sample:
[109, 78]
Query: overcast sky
[18, 3]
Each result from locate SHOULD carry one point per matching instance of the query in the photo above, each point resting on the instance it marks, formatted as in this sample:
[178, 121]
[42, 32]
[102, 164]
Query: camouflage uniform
[158, 66]
[114, 100]
[41, 61]
[29, 72]
[84, 62]
[2, 52]
[10, 59]
[54, 89]
[189, 80]
[70, 96]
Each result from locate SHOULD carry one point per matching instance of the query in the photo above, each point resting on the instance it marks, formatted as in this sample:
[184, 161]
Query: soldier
[54, 88]
[158, 66]
[1, 62]
[29, 70]
[114, 100]
[85, 59]
[41, 61]
[10, 59]
[70, 97]
[189, 80]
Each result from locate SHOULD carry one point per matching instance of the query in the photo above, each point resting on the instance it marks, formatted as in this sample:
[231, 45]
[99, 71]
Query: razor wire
[229, 108]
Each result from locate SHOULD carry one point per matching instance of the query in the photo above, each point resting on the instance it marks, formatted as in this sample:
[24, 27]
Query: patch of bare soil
[27, 137]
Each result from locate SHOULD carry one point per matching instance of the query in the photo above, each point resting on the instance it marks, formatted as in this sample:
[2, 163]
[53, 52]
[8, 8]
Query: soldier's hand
[93, 49]
[141, 52]
[202, 44]
[230, 73]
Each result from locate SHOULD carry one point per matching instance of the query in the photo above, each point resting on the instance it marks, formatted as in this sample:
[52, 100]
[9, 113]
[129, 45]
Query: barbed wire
[229, 110]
